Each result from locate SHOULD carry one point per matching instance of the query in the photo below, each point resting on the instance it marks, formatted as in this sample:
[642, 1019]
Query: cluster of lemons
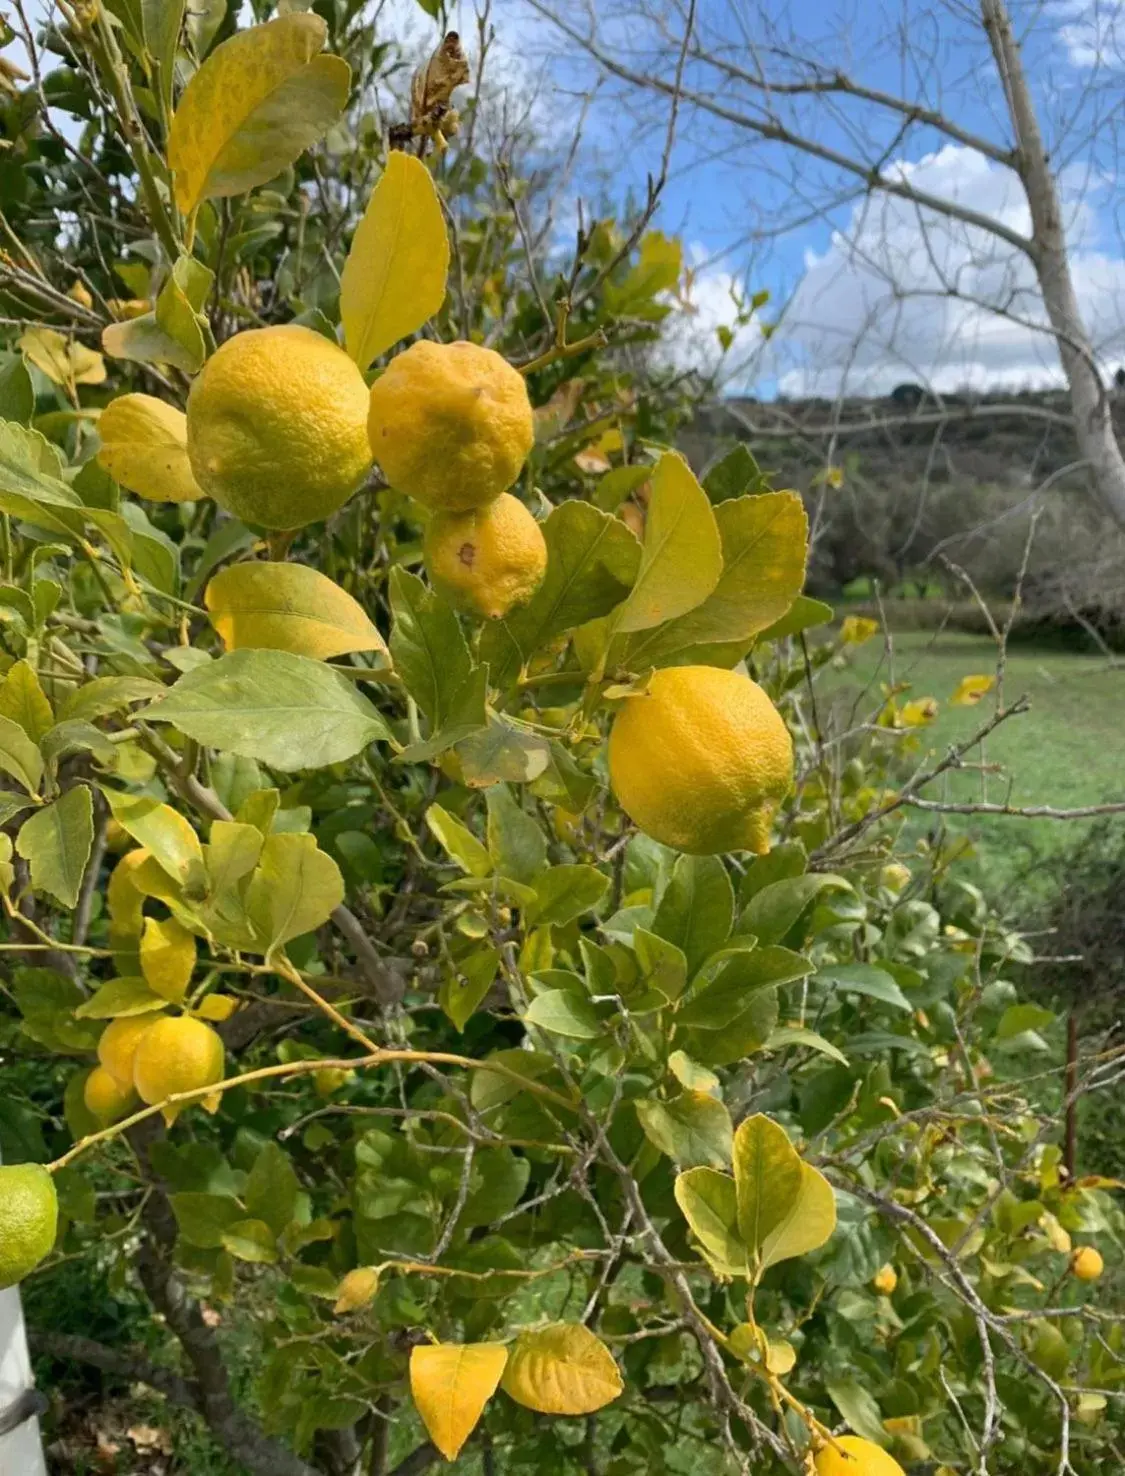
[147, 1057]
[282, 429]
[151, 1058]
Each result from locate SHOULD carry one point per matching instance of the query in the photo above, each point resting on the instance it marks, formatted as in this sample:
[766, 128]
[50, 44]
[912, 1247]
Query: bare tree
[831, 138]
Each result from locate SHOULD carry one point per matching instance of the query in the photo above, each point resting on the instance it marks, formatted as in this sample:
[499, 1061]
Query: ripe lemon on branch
[450, 423]
[855, 1457]
[29, 1217]
[701, 760]
[106, 1098]
[487, 560]
[178, 1054]
[276, 427]
[117, 1045]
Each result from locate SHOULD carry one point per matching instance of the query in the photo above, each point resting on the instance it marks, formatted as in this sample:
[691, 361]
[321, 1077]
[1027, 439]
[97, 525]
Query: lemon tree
[412, 761]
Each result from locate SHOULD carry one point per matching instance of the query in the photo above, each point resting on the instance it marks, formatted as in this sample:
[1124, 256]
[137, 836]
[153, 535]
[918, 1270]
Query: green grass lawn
[1068, 750]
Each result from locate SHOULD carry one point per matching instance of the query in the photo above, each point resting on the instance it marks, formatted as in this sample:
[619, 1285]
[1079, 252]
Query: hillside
[926, 481]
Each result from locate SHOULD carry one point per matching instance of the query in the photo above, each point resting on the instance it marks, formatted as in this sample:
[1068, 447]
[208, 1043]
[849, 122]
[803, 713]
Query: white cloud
[690, 335]
[905, 294]
[1092, 31]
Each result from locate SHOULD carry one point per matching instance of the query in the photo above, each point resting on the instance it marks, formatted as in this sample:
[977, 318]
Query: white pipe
[21, 1450]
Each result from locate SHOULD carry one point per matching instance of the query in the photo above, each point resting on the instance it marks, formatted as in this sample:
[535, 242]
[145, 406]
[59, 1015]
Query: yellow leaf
[288, 607]
[64, 361]
[856, 629]
[164, 832]
[24, 701]
[562, 1369]
[971, 689]
[451, 1385]
[144, 447]
[257, 102]
[357, 1289]
[918, 713]
[167, 958]
[809, 1223]
[394, 277]
[682, 554]
[217, 1008]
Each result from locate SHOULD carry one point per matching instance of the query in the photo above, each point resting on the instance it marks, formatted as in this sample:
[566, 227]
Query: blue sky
[864, 284]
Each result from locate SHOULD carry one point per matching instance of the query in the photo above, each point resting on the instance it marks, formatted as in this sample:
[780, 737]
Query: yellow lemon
[488, 559]
[276, 427]
[178, 1055]
[701, 760]
[357, 1290]
[450, 423]
[856, 1457]
[106, 1098]
[1087, 1263]
[885, 1280]
[117, 1046]
[29, 1219]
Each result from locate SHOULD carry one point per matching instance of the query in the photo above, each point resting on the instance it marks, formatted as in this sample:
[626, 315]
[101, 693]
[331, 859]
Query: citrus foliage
[527, 1127]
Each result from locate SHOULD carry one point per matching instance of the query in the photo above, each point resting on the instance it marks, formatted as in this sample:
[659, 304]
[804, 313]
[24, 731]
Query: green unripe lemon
[29, 1218]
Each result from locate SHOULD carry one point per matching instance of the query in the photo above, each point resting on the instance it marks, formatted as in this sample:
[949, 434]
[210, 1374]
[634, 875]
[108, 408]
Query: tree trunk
[1093, 420]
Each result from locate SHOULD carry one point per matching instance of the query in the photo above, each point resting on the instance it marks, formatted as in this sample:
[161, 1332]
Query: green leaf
[11, 804]
[17, 397]
[803, 614]
[794, 1035]
[1020, 1017]
[295, 888]
[663, 965]
[19, 756]
[428, 647]
[468, 714]
[458, 842]
[564, 893]
[394, 277]
[56, 841]
[776, 908]
[516, 842]
[697, 908]
[863, 979]
[746, 1034]
[765, 543]
[564, 1012]
[76, 737]
[288, 607]
[503, 751]
[161, 22]
[272, 1188]
[592, 561]
[31, 485]
[655, 272]
[462, 991]
[104, 695]
[708, 1203]
[718, 1004]
[734, 475]
[858, 1408]
[204, 1218]
[283, 710]
[23, 700]
[252, 1241]
[767, 1175]
[175, 332]
[681, 558]
[119, 998]
[693, 1129]
[691, 1075]
[259, 100]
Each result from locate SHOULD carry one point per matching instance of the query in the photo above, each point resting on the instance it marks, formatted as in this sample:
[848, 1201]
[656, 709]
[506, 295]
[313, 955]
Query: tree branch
[132, 1367]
